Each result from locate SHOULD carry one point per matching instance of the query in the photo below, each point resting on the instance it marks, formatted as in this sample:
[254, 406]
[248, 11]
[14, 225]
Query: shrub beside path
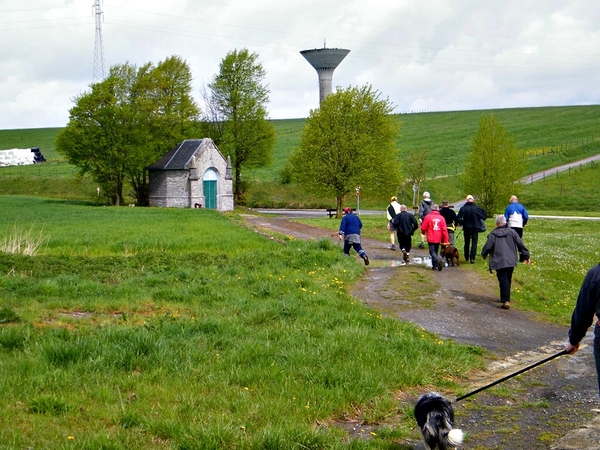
[553, 406]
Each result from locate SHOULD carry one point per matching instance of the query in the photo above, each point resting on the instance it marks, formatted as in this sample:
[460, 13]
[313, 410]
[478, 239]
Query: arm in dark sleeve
[343, 226]
[587, 302]
[489, 245]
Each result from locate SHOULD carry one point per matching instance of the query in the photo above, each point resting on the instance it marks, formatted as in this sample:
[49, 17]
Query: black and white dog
[435, 417]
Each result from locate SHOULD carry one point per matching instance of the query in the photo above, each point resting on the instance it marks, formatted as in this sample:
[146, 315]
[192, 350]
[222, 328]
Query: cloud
[428, 55]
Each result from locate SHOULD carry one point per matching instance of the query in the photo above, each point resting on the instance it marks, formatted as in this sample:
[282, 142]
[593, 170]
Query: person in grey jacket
[502, 245]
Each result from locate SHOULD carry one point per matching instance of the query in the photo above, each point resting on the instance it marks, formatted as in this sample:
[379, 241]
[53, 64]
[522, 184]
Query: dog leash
[525, 369]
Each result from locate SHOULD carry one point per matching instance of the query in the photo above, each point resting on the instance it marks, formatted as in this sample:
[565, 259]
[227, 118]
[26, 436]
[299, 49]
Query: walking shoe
[366, 258]
[440, 264]
[405, 255]
[472, 261]
[421, 245]
[393, 247]
[505, 305]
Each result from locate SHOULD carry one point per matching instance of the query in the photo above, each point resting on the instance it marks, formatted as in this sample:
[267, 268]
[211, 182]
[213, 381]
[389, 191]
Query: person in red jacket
[434, 228]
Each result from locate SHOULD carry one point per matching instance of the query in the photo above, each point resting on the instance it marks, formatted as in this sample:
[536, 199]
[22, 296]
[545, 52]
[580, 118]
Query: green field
[137, 328]
[550, 136]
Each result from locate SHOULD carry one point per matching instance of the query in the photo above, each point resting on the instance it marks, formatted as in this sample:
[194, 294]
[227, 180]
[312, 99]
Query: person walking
[434, 227]
[516, 215]
[502, 245]
[424, 209]
[350, 233]
[471, 217]
[392, 209]
[450, 216]
[405, 225]
[587, 306]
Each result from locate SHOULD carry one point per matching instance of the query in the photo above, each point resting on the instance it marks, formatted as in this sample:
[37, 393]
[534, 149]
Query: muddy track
[551, 406]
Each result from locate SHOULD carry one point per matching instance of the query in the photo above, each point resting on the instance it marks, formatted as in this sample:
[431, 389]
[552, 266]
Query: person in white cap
[392, 210]
[424, 209]
[472, 218]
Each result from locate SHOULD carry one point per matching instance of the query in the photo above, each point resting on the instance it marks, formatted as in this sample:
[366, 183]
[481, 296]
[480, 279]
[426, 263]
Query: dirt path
[551, 406]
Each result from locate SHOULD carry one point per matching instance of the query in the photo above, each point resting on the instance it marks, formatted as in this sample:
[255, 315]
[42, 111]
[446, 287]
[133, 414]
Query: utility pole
[98, 47]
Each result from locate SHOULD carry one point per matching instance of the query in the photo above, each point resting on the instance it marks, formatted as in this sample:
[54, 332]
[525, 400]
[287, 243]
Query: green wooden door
[209, 184]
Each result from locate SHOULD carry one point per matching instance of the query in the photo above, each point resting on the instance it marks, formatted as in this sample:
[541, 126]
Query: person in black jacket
[502, 246]
[470, 217]
[450, 216]
[588, 305]
[405, 225]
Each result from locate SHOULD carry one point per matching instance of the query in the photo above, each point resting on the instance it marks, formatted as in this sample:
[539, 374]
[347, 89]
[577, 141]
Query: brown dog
[450, 253]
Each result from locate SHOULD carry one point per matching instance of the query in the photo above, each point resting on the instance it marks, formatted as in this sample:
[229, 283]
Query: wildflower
[71, 438]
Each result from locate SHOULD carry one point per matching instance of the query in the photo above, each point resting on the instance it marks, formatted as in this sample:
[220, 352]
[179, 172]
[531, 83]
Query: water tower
[325, 60]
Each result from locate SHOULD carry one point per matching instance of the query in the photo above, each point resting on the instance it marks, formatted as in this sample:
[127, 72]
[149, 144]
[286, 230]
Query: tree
[126, 122]
[415, 171]
[96, 138]
[349, 141]
[166, 115]
[237, 115]
[494, 166]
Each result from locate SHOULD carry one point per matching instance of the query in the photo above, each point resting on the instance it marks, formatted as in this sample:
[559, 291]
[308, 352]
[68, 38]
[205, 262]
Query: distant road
[544, 173]
[299, 213]
[541, 175]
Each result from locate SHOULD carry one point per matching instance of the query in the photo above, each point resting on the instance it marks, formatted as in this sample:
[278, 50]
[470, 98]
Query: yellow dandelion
[71, 438]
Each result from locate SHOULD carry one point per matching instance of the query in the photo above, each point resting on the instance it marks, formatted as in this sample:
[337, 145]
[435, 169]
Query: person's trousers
[451, 237]
[505, 279]
[356, 246]
[404, 242]
[470, 244]
[597, 353]
[519, 231]
[434, 250]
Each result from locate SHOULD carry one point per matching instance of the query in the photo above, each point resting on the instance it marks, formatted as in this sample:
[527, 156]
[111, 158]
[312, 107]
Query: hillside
[550, 136]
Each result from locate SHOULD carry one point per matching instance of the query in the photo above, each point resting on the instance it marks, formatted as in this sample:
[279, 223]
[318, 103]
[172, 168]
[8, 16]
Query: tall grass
[23, 242]
[152, 328]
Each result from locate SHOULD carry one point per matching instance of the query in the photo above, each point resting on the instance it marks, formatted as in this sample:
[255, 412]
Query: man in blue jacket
[350, 234]
[588, 305]
[516, 215]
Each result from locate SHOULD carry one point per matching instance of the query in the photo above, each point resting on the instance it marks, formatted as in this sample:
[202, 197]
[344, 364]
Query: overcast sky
[424, 55]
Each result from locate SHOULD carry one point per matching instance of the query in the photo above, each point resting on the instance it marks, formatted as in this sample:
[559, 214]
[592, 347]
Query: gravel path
[553, 406]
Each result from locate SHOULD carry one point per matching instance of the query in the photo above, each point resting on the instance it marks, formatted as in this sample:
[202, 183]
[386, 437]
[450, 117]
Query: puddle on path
[399, 262]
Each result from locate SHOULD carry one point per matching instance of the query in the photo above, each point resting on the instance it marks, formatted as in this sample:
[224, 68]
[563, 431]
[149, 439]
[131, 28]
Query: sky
[422, 55]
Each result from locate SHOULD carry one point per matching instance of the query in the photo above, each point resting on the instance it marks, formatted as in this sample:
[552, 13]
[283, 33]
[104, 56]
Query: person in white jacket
[392, 210]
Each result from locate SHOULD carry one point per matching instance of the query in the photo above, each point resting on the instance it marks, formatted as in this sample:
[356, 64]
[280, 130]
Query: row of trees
[136, 114]
[126, 122]
[351, 142]
[130, 119]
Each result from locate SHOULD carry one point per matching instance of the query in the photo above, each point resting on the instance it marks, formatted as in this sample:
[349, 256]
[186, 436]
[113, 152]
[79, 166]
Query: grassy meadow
[549, 136]
[137, 328]
[178, 328]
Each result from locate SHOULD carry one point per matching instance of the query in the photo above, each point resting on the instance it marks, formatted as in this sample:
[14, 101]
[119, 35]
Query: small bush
[47, 405]
[13, 338]
[7, 315]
